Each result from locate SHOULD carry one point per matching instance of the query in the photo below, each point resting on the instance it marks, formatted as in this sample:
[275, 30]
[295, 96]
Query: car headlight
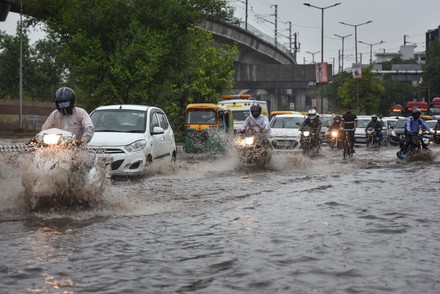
[136, 146]
[393, 133]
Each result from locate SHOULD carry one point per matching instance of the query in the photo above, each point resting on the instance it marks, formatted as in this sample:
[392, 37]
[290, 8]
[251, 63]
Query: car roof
[289, 115]
[124, 106]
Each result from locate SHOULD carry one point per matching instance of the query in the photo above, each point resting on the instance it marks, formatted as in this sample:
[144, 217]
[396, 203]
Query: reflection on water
[301, 225]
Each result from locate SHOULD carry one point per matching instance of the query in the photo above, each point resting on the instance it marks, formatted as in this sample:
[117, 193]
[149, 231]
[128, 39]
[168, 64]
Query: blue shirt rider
[412, 127]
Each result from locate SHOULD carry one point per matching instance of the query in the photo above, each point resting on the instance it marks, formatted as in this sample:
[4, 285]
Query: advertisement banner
[356, 70]
[321, 72]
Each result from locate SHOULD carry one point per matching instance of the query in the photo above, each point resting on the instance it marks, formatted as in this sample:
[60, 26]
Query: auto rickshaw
[208, 128]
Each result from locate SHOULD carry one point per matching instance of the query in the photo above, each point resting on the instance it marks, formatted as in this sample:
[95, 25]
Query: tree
[370, 91]
[431, 72]
[139, 51]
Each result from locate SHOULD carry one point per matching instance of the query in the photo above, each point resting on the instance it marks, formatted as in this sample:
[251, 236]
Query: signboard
[292, 106]
[356, 70]
[321, 72]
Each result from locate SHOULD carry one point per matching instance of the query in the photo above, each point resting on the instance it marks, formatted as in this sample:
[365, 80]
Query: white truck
[240, 106]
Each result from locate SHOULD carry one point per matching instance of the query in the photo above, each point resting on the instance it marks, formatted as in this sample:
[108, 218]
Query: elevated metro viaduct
[261, 69]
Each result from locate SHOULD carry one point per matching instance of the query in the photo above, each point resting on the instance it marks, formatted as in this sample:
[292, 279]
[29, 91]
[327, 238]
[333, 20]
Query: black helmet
[416, 113]
[374, 117]
[337, 119]
[65, 100]
[256, 110]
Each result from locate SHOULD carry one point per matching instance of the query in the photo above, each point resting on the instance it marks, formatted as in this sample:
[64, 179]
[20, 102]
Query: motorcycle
[253, 148]
[308, 141]
[335, 139]
[62, 173]
[372, 139]
[436, 137]
[414, 148]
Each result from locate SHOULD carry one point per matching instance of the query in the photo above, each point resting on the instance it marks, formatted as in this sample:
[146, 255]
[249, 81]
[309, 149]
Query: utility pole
[276, 24]
[342, 55]
[371, 48]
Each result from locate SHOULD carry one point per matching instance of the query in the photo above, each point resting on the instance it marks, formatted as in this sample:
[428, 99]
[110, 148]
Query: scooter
[62, 173]
[414, 148]
[253, 148]
[335, 139]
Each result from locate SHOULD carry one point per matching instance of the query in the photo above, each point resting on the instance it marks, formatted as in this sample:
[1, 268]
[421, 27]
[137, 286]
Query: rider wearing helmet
[256, 121]
[315, 123]
[377, 125]
[68, 117]
[412, 126]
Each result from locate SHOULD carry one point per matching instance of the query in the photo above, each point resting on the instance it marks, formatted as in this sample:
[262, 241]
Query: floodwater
[303, 225]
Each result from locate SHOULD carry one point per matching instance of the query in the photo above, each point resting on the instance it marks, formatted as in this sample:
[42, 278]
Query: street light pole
[313, 55]
[322, 24]
[355, 34]
[322, 39]
[371, 48]
[356, 51]
[342, 57]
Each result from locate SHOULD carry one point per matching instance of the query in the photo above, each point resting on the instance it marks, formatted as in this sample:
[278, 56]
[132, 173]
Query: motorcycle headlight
[306, 133]
[393, 133]
[51, 139]
[136, 146]
[249, 140]
[334, 134]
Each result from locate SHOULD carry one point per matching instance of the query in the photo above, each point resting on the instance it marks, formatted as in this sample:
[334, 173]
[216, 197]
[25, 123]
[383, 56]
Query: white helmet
[312, 113]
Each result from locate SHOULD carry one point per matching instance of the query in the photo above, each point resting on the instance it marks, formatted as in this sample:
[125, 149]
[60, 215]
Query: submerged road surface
[302, 225]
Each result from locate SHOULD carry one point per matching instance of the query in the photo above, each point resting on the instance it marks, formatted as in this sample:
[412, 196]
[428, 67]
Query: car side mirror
[158, 131]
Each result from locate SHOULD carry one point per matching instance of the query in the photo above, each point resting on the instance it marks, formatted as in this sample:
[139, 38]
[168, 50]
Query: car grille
[108, 150]
[284, 144]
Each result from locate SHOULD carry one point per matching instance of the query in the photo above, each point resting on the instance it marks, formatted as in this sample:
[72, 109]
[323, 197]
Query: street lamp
[355, 34]
[371, 48]
[322, 39]
[313, 55]
[322, 24]
[342, 57]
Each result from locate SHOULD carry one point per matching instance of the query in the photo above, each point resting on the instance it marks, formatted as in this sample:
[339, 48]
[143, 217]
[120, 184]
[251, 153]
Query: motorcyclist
[335, 124]
[68, 117]
[376, 125]
[412, 126]
[349, 122]
[315, 123]
[256, 121]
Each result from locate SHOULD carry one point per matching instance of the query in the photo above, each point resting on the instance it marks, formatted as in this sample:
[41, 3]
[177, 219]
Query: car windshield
[119, 120]
[400, 123]
[201, 116]
[431, 123]
[362, 123]
[286, 122]
[240, 115]
[326, 121]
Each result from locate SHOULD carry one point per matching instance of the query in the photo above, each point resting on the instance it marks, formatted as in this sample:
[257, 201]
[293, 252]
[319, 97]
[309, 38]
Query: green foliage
[431, 72]
[140, 51]
[369, 89]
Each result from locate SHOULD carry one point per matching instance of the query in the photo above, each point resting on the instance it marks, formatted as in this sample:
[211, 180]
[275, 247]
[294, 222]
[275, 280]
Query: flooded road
[303, 225]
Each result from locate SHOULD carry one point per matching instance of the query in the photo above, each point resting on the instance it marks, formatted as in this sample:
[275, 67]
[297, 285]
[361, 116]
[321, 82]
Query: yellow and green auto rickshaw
[208, 128]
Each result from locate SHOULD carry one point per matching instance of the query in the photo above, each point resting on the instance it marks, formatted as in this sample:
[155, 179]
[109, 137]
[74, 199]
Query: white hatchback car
[132, 137]
[284, 131]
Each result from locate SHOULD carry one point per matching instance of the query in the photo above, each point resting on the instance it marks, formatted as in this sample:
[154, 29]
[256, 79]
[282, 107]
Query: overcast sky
[391, 20]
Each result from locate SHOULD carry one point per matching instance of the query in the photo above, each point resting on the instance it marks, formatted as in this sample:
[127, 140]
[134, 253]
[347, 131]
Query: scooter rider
[377, 125]
[256, 121]
[412, 126]
[335, 124]
[68, 117]
[315, 123]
